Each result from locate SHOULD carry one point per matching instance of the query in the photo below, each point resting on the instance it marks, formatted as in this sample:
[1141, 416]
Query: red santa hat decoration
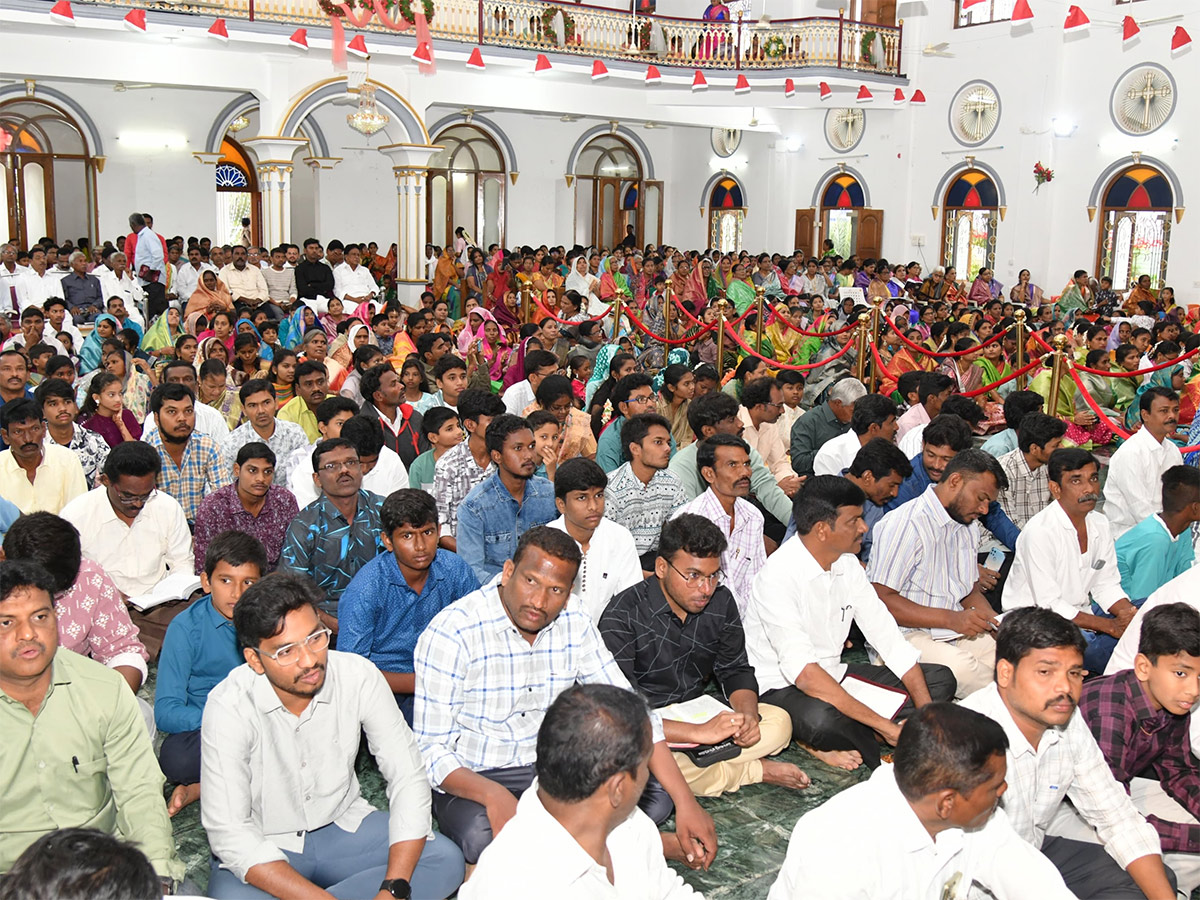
[135, 20]
[1129, 31]
[789, 87]
[1180, 41]
[653, 76]
[826, 92]
[599, 70]
[742, 85]
[299, 39]
[864, 95]
[62, 13]
[699, 82]
[1077, 21]
[218, 31]
[475, 60]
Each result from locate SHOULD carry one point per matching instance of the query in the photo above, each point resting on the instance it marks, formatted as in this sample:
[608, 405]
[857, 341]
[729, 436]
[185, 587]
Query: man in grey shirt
[823, 423]
[284, 813]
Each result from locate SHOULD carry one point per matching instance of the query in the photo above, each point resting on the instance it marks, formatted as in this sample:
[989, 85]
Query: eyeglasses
[128, 499]
[289, 654]
[642, 400]
[349, 465]
[690, 578]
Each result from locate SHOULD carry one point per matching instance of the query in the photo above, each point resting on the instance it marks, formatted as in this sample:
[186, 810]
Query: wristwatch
[397, 887]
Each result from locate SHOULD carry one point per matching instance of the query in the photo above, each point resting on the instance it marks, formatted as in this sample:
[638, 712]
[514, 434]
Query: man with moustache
[76, 750]
[36, 476]
[1133, 488]
[282, 806]
[191, 462]
[1066, 560]
[1052, 757]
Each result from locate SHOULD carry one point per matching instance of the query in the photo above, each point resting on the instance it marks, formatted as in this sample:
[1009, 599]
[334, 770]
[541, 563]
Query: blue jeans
[1100, 646]
[351, 865]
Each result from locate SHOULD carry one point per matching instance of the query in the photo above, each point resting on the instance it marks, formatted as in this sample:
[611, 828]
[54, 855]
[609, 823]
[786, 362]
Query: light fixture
[30, 87]
[793, 143]
[367, 119]
[238, 124]
[1063, 128]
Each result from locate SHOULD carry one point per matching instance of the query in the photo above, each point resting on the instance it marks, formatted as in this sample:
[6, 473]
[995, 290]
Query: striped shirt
[453, 477]
[1028, 491]
[482, 689]
[925, 556]
[745, 554]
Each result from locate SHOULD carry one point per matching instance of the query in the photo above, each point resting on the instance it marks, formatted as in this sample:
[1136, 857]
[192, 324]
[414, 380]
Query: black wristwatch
[397, 887]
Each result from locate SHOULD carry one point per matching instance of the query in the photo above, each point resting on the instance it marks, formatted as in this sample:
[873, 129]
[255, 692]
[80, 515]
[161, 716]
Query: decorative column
[319, 164]
[274, 169]
[410, 164]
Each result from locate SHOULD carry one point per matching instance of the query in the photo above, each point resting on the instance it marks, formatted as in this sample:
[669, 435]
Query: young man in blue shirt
[393, 597]
[1158, 548]
[199, 650]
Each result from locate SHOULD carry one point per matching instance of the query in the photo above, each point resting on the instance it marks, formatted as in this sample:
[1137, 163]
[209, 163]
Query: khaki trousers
[970, 659]
[775, 733]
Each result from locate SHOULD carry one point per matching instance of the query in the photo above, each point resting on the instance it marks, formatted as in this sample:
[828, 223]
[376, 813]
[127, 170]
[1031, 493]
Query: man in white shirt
[281, 283]
[581, 815]
[926, 828]
[874, 416]
[1066, 561]
[37, 286]
[352, 282]
[135, 532]
[801, 608]
[538, 365]
[923, 565]
[115, 281]
[208, 420]
[1052, 757]
[188, 276]
[245, 282]
[279, 739]
[1133, 488]
[58, 321]
[10, 276]
[610, 559]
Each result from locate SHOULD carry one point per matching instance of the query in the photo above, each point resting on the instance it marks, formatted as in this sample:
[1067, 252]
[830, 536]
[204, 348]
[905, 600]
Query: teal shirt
[610, 452]
[1148, 557]
[420, 473]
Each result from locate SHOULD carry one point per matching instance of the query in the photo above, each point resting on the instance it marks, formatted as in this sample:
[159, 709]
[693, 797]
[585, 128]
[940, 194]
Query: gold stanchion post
[616, 328]
[526, 302]
[875, 333]
[760, 299]
[1019, 315]
[860, 365]
[1056, 373]
[668, 309]
[721, 304]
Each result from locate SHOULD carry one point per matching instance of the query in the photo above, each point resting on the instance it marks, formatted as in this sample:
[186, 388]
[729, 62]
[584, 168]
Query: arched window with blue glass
[237, 194]
[726, 215]
[969, 223]
[1135, 230]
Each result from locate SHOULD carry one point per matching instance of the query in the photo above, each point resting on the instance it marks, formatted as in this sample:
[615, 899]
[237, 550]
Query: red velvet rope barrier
[775, 364]
[1005, 380]
[820, 334]
[1165, 365]
[645, 329]
[948, 354]
[695, 321]
[551, 315]
[883, 369]
[1095, 408]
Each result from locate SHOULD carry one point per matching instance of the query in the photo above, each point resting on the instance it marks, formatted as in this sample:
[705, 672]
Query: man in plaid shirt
[191, 462]
[1140, 719]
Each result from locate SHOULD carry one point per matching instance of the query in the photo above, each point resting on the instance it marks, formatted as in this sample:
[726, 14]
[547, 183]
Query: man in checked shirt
[1140, 719]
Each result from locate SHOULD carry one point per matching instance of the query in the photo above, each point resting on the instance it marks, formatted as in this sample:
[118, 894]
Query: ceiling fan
[469, 112]
[939, 49]
[121, 87]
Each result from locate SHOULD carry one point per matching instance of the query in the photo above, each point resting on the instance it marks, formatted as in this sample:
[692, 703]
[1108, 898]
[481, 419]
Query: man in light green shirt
[76, 752]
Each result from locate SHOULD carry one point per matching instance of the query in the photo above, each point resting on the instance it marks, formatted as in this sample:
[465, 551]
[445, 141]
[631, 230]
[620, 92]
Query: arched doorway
[846, 220]
[726, 214]
[47, 173]
[611, 194]
[969, 223]
[1135, 227]
[466, 187]
[237, 194]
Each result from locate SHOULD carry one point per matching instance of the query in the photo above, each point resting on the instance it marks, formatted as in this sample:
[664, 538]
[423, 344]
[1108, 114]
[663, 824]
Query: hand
[748, 735]
[1115, 627]
[972, 621]
[1123, 611]
[1085, 419]
[696, 833]
[987, 579]
[892, 733]
[791, 484]
[501, 807]
[718, 728]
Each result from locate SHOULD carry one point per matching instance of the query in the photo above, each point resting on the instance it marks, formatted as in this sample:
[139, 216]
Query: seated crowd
[566, 578]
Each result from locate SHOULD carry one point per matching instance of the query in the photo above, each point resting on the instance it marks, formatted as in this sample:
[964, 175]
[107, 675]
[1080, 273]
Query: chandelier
[367, 119]
[238, 124]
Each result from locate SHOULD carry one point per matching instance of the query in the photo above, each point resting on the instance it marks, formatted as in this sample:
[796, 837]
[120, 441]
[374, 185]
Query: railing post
[841, 34]
[721, 339]
[860, 364]
[1019, 315]
[737, 45]
[616, 329]
[1056, 374]
[480, 41]
[899, 47]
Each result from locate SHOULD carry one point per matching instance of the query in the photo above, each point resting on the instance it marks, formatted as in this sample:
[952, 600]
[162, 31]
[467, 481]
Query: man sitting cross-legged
[927, 827]
[393, 597]
[199, 650]
[488, 667]
[279, 740]
[801, 608]
[678, 629]
[593, 754]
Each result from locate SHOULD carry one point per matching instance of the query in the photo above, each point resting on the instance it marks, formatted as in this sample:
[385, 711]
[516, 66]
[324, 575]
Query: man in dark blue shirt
[393, 597]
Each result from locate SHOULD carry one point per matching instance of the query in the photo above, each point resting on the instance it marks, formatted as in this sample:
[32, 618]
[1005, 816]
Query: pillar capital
[409, 159]
[208, 159]
[274, 149]
[317, 163]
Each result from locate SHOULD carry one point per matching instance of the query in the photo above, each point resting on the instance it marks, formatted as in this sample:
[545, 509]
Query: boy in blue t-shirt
[199, 650]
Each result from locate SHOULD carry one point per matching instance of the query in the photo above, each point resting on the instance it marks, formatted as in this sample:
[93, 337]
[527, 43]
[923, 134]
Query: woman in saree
[785, 341]
[723, 275]
[447, 278]
[515, 371]
[740, 291]
[106, 326]
[1084, 427]
[570, 307]
[507, 314]
[472, 331]
[678, 386]
[767, 278]
[209, 296]
[585, 284]
[220, 326]
[160, 337]
[135, 385]
[292, 329]
[211, 348]
[906, 359]
[341, 352]
[282, 375]
[712, 287]
[612, 283]
[993, 366]
[489, 349]
[1025, 292]
[335, 316]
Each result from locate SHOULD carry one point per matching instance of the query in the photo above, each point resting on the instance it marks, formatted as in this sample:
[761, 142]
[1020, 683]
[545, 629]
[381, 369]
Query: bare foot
[785, 774]
[183, 795]
[673, 850]
[839, 759]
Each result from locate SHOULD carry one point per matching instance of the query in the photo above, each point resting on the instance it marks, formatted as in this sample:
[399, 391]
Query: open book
[881, 700]
[176, 586]
[694, 712]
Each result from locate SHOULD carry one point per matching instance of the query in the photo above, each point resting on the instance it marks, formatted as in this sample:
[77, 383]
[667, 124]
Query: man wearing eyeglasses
[673, 633]
[280, 736]
[632, 396]
[339, 532]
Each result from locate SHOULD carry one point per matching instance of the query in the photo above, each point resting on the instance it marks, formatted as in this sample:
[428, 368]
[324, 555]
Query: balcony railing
[591, 31]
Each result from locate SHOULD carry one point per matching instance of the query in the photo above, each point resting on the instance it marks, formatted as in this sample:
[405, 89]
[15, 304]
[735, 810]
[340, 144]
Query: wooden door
[29, 192]
[870, 233]
[879, 12]
[607, 216]
[806, 223]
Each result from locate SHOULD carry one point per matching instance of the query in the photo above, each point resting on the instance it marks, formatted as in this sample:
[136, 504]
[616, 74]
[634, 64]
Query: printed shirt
[223, 510]
[94, 621]
[321, 544]
[642, 508]
[454, 475]
[286, 440]
[1136, 738]
[201, 472]
[91, 449]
